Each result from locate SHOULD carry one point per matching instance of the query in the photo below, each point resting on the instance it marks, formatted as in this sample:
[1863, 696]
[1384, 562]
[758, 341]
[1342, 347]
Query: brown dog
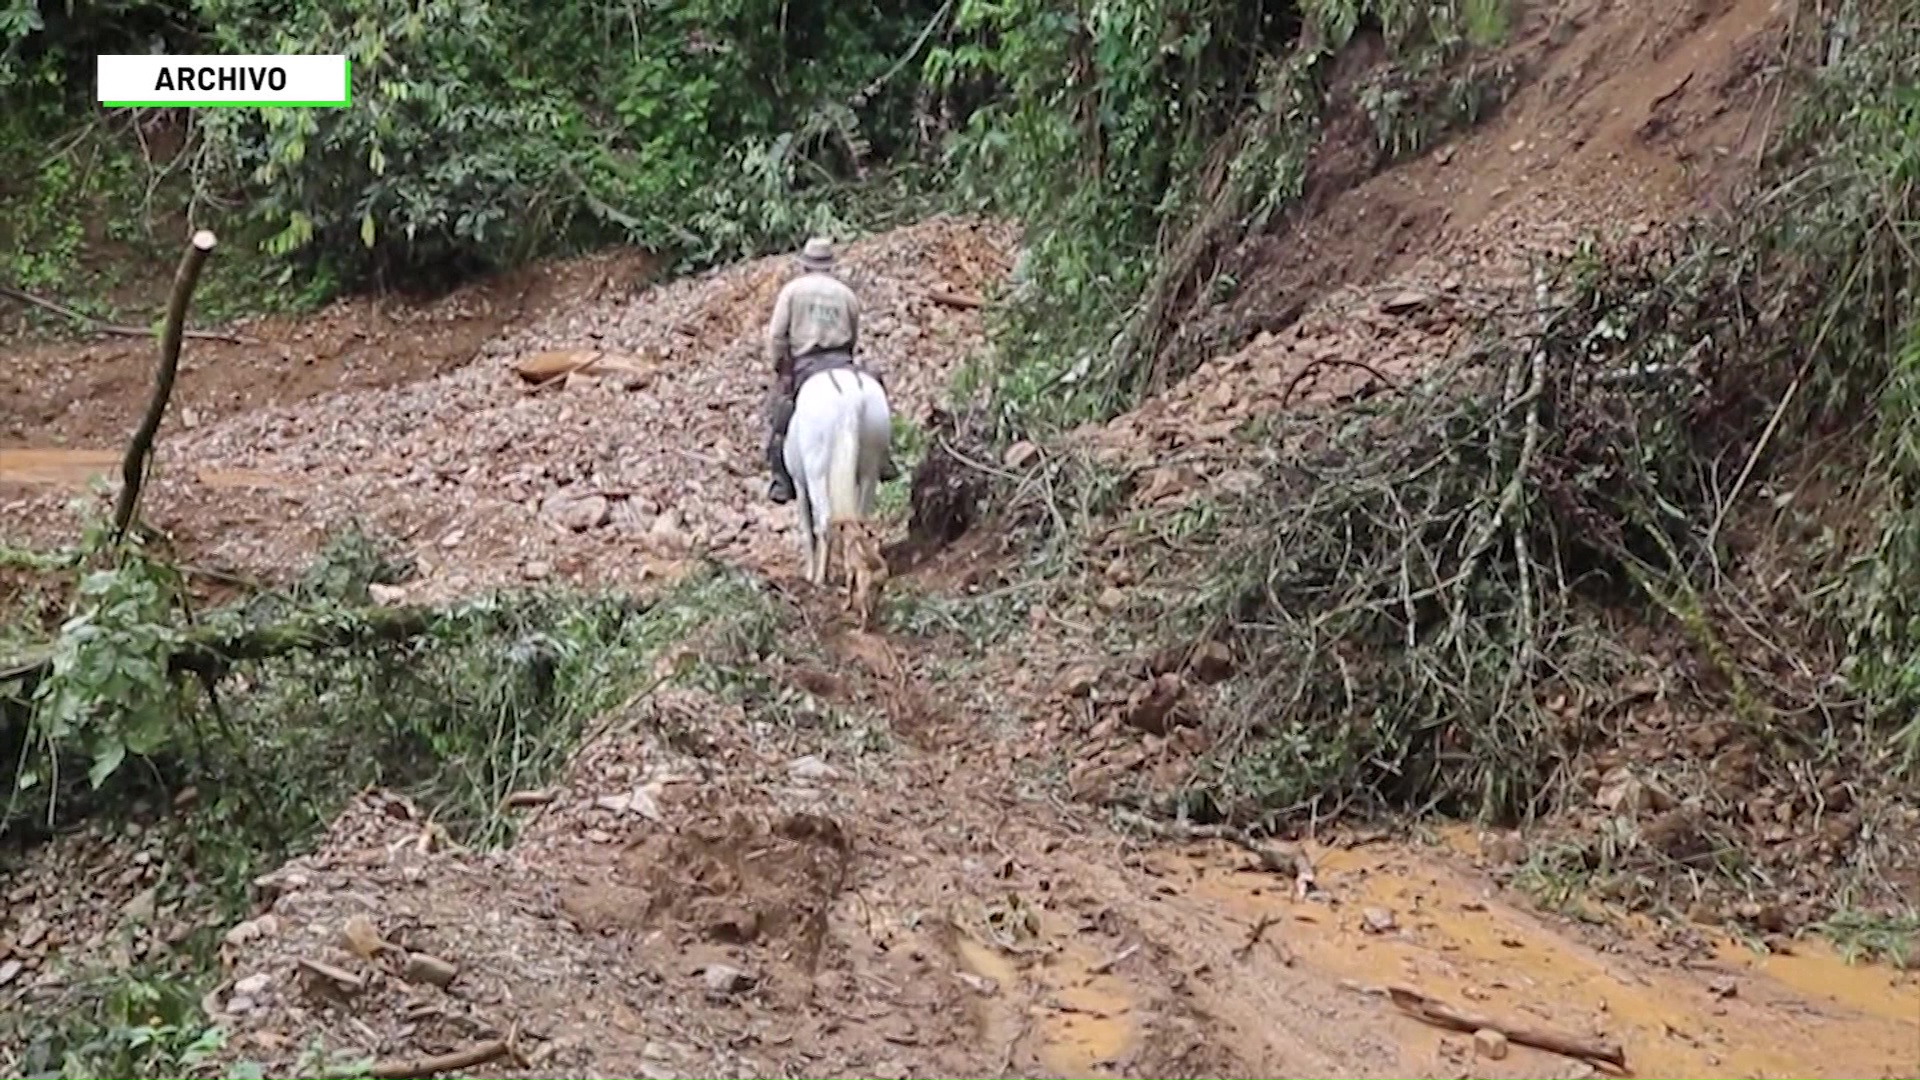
[867, 570]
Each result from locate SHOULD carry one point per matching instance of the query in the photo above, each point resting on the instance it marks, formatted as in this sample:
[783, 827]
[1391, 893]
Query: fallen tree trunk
[209, 650]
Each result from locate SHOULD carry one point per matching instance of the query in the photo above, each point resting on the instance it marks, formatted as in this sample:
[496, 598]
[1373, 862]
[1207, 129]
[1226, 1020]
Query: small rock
[1079, 680]
[1377, 920]
[1212, 662]
[253, 985]
[1112, 598]
[578, 513]
[638, 801]
[427, 968]
[666, 531]
[1770, 917]
[980, 984]
[1020, 454]
[537, 571]
[242, 933]
[141, 907]
[811, 768]
[452, 539]
[1410, 300]
[1490, 1044]
[725, 980]
[735, 924]
[387, 595]
[1150, 707]
[9, 971]
[362, 938]
[1724, 987]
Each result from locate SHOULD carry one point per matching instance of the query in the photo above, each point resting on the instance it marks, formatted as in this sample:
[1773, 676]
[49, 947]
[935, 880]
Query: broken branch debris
[1440, 1014]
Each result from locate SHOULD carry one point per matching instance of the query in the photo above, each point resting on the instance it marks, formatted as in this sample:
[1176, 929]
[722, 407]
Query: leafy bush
[483, 132]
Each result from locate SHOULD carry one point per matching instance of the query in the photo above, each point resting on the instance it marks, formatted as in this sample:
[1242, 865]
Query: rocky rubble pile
[598, 476]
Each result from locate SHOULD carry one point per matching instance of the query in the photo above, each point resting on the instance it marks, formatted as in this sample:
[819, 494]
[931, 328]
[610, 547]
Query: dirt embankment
[908, 890]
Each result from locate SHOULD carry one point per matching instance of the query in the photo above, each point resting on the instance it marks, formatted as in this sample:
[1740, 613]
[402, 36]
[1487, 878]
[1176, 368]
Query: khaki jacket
[814, 313]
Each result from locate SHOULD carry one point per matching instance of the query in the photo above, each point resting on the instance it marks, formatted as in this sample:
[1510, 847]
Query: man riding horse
[815, 328]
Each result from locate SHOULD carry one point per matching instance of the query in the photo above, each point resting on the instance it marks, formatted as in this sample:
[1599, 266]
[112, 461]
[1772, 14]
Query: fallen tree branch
[433, 1064]
[1286, 396]
[133, 471]
[210, 650]
[955, 300]
[866, 93]
[116, 329]
[1275, 858]
[1440, 1014]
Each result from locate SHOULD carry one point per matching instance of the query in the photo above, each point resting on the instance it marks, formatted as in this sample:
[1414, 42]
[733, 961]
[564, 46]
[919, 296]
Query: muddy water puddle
[1058, 1004]
[75, 468]
[57, 467]
[1389, 915]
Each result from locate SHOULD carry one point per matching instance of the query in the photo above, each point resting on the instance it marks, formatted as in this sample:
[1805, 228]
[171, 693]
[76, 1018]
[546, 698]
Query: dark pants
[780, 408]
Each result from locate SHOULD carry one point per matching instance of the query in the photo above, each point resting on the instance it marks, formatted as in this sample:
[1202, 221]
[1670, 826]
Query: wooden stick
[116, 329]
[133, 471]
[1440, 1014]
[1111, 962]
[433, 1065]
[955, 300]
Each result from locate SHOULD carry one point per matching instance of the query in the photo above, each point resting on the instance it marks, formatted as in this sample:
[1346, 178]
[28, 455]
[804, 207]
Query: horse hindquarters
[876, 440]
[806, 453]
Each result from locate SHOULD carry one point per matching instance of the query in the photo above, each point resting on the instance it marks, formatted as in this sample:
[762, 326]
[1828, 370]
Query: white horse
[842, 430]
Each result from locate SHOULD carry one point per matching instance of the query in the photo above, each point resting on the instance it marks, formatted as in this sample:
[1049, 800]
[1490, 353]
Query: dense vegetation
[1439, 595]
[486, 132]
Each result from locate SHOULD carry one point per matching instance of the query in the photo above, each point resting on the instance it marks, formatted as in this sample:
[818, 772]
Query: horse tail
[843, 461]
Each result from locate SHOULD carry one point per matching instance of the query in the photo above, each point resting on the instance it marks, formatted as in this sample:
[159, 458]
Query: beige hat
[817, 255]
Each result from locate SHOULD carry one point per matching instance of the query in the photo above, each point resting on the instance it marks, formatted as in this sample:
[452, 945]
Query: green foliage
[489, 699]
[485, 132]
[47, 205]
[109, 693]
[1134, 139]
[1845, 228]
[144, 1022]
